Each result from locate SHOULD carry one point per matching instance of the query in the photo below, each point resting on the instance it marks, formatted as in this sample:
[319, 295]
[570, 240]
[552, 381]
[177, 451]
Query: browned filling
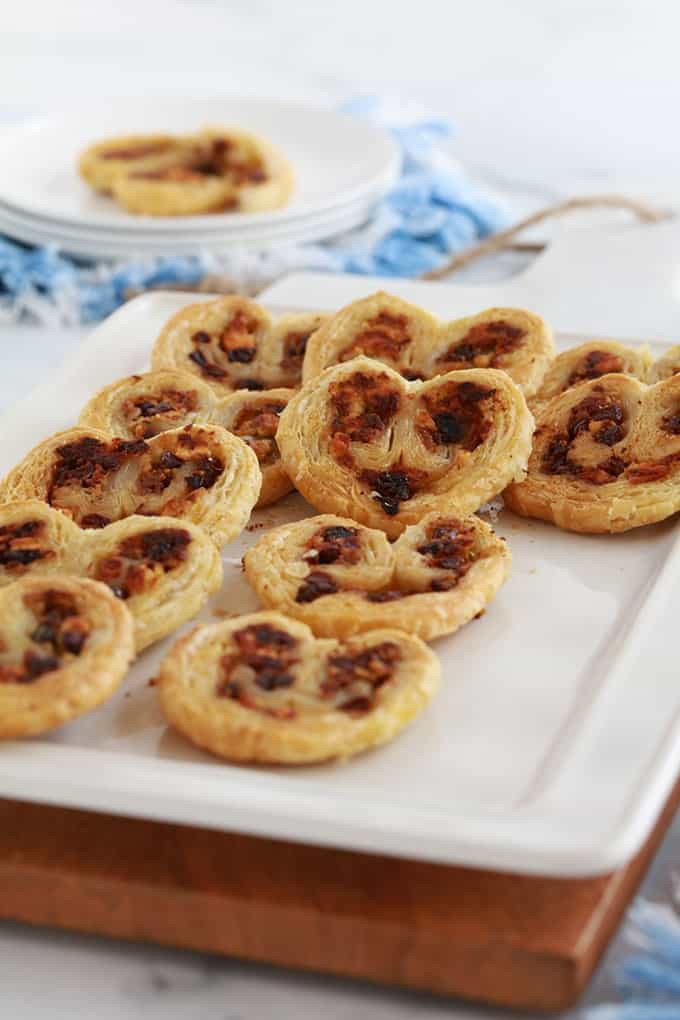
[595, 364]
[455, 413]
[358, 678]
[86, 462]
[363, 406]
[204, 471]
[139, 151]
[140, 559]
[384, 336]
[219, 159]
[236, 344]
[602, 417]
[256, 424]
[294, 347]
[335, 544]
[59, 632]
[484, 345]
[264, 658]
[450, 546]
[172, 405]
[671, 424]
[393, 487]
[20, 545]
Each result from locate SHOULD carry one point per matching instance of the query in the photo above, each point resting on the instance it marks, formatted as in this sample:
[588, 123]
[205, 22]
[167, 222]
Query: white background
[550, 98]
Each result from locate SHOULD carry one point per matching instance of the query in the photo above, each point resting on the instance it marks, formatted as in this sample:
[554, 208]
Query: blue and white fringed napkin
[432, 212]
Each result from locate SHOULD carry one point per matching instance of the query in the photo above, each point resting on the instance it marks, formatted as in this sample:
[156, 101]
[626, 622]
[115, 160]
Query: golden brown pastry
[665, 366]
[65, 646]
[142, 406]
[418, 345]
[164, 570]
[606, 456]
[234, 344]
[102, 163]
[591, 361]
[362, 442]
[262, 688]
[341, 578]
[221, 170]
[199, 473]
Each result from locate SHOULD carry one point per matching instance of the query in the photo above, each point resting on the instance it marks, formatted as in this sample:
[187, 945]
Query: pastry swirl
[162, 569]
[341, 578]
[589, 361]
[143, 406]
[606, 456]
[262, 688]
[362, 442]
[419, 346]
[232, 343]
[65, 646]
[200, 473]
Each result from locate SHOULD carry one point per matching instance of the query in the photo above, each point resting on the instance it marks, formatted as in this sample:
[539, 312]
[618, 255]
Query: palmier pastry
[163, 569]
[200, 473]
[413, 342]
[65, 646]
[142, 406]
[104, 162]
[234, 344]
[591, 361]
[606, 456]
[262, 688]
[362, 442]
[665, 366]
[341, 578]
[222, 171]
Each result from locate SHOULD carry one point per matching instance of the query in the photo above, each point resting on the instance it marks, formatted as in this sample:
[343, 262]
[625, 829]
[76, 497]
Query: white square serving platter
[550, 748]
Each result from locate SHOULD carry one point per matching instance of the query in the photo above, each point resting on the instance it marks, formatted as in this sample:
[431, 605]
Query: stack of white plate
[342, 167]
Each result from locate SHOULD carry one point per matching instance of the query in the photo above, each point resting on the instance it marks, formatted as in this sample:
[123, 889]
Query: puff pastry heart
[341, 578]
[415, 343]
[65, 646]
[234, 344]
[362, 442]
[588, 361]
[164, 570]
[606, 456]
[200, 473]
[261, 688]
[142, 406]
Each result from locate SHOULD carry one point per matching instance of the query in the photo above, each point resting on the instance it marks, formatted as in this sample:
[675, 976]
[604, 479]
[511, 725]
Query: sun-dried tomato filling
[449, 545]
[384, 337]
[294, 348]
[138, 561]
[256, 424]
[353, 681]
[58, 632]
[594, 365]
[200, 468]
[603, 419]
[86, 462]
[261, 663]
[137, 151]
[220, 158]
[363, 406]
[483, 346]
[671, 424]
[235, 344]
[20, 545]
[148, 414]
[393, 487]
[333, 545]
[455, 414]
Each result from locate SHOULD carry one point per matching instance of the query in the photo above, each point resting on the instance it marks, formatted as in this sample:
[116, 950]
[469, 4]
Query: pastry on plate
[142, 406]
[341, 578]
[591, 361]
[234, 344]
[199, 473]
[222, 170]
[262, 688]
[162, 569]
[418, 345]
[665, 366]
[606, 456]
[362, 442]
[65, 646]
[103, 162]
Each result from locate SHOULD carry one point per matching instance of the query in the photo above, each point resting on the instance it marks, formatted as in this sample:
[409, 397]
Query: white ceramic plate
[105, 244]
[336, 159]
[549, 749]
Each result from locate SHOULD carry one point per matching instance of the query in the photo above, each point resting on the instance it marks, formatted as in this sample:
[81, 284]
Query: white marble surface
[550, 99]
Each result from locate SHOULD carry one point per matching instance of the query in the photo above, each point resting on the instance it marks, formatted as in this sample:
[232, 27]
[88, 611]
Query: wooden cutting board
[503, 939]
